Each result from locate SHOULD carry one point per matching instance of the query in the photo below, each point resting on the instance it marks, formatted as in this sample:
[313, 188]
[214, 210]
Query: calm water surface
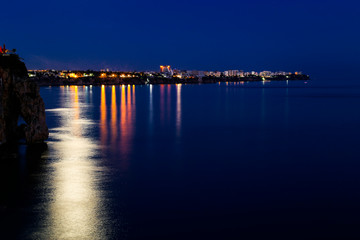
[220, 161]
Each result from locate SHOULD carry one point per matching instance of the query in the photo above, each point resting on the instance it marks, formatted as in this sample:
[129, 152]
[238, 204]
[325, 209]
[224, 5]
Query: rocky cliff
[20, 96]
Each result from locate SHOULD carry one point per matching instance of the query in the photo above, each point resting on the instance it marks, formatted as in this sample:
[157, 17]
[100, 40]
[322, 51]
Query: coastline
[87, 81]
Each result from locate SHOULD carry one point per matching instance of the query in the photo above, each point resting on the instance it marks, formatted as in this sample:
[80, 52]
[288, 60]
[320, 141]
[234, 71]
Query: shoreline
[155, 81]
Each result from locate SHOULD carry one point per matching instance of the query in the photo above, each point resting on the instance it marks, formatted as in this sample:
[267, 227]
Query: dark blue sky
[312, 36]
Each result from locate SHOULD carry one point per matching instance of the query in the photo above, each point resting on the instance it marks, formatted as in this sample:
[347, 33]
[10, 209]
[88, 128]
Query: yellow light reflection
[76, 102]
[74, 209]
[133, 93]
[76, 128]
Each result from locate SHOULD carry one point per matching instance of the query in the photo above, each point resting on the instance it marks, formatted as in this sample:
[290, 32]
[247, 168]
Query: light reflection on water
[103, 124]
[76, 206]
[231, 158]
[178, 110]
[113, 115]
[74, 209]
[162, 103]
[127, 121]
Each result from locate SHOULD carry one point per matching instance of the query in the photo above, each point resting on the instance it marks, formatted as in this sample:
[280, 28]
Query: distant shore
[143, 80]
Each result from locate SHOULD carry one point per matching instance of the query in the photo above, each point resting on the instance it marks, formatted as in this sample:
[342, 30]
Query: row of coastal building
[165, 71]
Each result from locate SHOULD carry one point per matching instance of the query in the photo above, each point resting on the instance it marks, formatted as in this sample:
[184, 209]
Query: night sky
[316, 37]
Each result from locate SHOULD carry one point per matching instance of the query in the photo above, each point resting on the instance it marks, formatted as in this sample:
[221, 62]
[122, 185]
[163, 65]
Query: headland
[20, 97]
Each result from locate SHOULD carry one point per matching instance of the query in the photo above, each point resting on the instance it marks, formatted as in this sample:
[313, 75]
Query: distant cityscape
[165, 71]
[165, 74]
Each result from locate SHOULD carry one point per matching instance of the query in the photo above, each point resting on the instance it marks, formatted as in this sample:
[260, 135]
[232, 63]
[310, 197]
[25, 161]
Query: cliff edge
[20, 96]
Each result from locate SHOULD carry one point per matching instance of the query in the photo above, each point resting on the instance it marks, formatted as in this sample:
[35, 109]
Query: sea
[243, 160]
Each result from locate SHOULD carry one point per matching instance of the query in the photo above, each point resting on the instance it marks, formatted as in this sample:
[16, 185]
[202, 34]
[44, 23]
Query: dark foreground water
[231, 161]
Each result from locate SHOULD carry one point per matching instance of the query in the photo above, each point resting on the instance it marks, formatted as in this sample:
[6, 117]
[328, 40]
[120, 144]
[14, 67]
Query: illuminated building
[231, 73]
[217, 74]
[265, 74]
[165, 69]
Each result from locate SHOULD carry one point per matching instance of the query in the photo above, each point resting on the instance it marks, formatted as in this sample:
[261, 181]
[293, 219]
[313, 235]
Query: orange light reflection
[113, 115]
[103, 125]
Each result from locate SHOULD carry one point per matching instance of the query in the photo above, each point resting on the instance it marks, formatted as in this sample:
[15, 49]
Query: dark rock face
[20, 96]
